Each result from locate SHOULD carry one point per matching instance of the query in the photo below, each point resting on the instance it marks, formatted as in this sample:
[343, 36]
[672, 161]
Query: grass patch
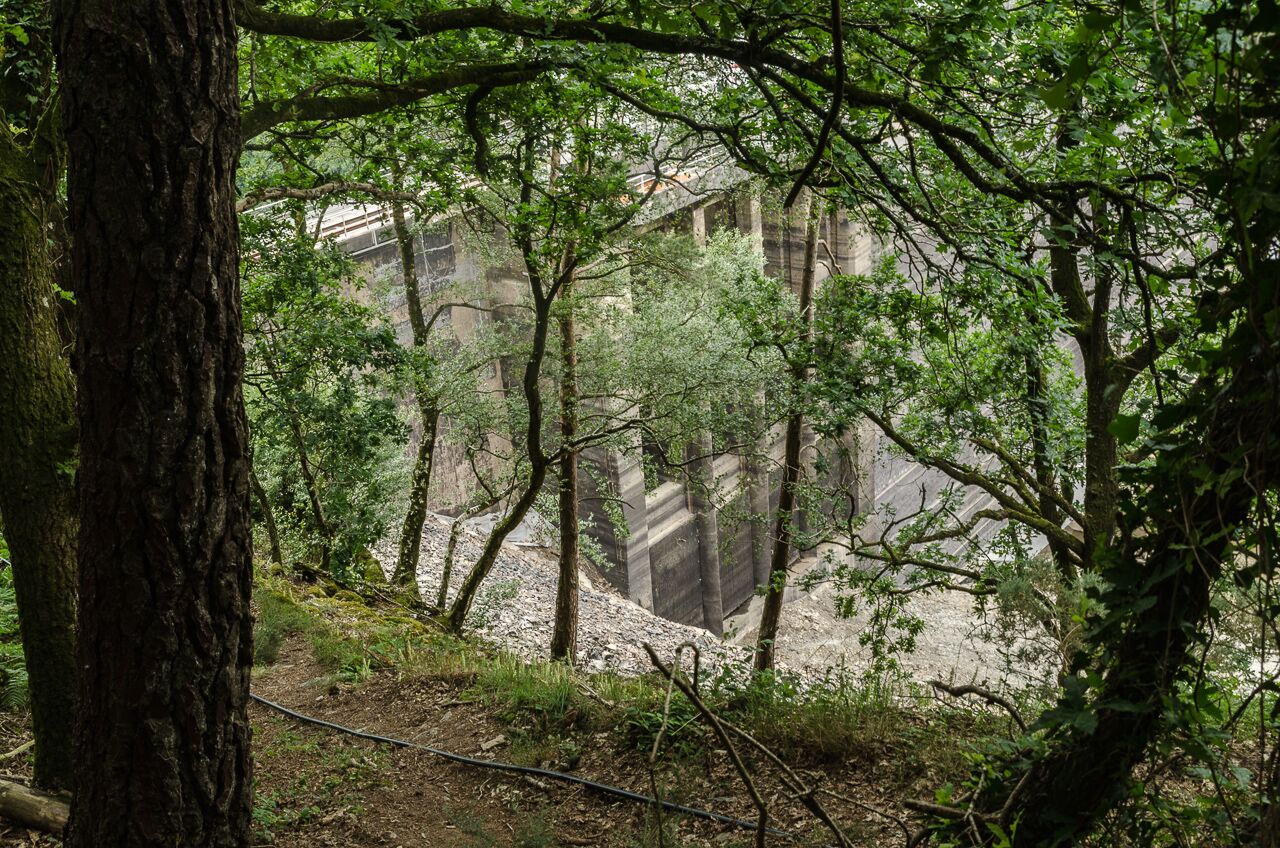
[547, 706]
[472, 826]
[544, 694]
[278, 618]
[840, 718]
[535, 832]
[348, 639]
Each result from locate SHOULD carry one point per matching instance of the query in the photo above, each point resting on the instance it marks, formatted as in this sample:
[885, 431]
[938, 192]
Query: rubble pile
[516, 604]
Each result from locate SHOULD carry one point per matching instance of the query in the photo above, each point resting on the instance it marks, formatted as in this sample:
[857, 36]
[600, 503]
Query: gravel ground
[515, 606]
[955, 646]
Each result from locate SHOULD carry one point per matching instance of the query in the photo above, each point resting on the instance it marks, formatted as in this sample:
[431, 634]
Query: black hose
[616, 791]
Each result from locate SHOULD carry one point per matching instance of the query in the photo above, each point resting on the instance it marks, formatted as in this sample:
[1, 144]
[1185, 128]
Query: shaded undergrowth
[549, 707]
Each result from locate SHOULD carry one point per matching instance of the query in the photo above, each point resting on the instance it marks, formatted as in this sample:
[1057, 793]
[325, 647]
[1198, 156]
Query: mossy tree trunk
[539, 462]
[544, 285]
[564, 636]
[38, 449]
[268, 517]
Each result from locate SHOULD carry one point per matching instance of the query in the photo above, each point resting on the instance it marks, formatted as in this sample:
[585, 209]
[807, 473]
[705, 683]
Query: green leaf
[1058, 96]
[1126, 427]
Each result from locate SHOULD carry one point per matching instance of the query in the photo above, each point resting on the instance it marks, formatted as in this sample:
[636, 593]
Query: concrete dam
[658, 560]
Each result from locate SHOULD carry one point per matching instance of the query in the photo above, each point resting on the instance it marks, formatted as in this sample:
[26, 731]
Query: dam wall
[657, 559]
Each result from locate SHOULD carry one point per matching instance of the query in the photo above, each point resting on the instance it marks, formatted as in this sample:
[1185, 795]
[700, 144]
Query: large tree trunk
[406, 570]
[152, 121]
[37, 455]
[779, 563]
[1178, 541]
[564, 636]
[1086, 773]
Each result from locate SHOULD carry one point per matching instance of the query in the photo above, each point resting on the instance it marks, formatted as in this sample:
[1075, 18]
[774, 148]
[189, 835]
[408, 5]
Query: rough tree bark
[152, 127]
[1103, 391]
[564, 635]
[406, 569]
[37, 448]
[1085, 773]
[1210, 479]
[779, 563]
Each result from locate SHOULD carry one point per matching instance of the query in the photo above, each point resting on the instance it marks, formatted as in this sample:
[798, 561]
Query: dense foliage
[1071, 322]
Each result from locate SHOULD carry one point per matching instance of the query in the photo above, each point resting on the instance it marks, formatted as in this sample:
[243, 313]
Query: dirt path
[321, 788]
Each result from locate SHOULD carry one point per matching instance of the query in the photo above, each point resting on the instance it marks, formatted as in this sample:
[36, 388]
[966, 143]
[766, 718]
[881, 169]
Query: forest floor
[867, 746]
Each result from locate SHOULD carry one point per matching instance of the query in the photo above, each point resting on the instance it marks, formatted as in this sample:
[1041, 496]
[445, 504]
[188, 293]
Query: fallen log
[33, 808]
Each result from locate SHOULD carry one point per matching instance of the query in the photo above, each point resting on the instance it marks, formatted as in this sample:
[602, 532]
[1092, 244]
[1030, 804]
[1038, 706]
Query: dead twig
[653, 753]
[986, 695]
[799, 790]
[941, 811]
[898, 820]
[722, 734]
[25, 746]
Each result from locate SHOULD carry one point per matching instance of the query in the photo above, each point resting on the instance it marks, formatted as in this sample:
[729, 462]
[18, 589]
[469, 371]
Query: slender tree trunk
[538, 463]
[153, 135]
[309, 480]
[704, 515]
[1103, 393]
[1103, 389]
[268, 516]
[779, 566]
[446, 570]
[312, 486]
[564, 636]
[37, 456]
[455, 529]
[1037, 401]
[410, 547]
[406, 569]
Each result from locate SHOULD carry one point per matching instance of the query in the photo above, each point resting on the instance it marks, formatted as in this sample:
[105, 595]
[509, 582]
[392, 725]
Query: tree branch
[262, 116]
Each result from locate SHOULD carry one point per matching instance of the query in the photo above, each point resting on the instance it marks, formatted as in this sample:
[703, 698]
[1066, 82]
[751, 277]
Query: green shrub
[642, 722]
[843, 716]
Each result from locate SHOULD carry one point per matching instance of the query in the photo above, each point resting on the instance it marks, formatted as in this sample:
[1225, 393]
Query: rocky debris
[514, 609]
[957, 644]
[516, 604]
